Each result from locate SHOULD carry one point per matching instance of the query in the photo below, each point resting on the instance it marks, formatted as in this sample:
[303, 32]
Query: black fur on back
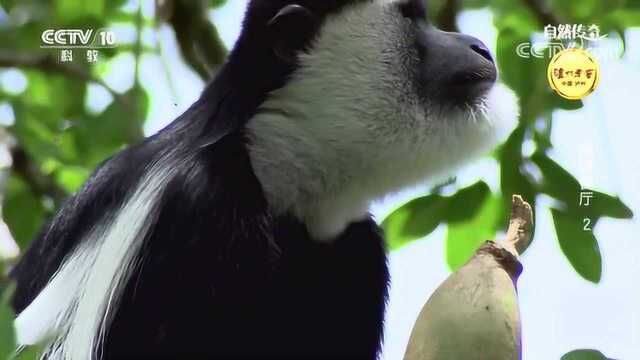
[218, 276]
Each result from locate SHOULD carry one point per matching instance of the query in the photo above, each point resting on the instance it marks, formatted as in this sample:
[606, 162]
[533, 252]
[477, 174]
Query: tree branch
[135, 129]
[48, 63]
[542, 11]
[520, 228]
[446, 18]
[198, 39]
[209, 44]
[41, 185]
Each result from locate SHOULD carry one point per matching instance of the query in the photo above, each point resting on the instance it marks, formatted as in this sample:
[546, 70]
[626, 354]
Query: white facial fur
[349, 127]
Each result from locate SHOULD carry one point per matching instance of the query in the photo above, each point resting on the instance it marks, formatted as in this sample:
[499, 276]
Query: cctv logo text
[77, 38]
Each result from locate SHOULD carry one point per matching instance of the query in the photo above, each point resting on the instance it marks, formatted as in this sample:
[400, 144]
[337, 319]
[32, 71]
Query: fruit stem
[520, 226]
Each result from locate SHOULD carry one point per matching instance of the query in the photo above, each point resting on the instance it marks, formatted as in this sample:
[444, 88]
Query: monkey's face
[379, 100]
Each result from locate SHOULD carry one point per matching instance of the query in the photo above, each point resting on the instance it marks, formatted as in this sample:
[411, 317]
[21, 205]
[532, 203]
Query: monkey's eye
[413, 9]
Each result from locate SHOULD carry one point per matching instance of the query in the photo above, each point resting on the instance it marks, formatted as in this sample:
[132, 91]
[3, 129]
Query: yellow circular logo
[573, 74]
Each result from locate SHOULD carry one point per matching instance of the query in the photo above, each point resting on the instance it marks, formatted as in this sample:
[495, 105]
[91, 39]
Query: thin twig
[135, 130]
[197, 37]
[48, 63]
[520, 226]
[446, 18]
[543, 12]
[41, 185]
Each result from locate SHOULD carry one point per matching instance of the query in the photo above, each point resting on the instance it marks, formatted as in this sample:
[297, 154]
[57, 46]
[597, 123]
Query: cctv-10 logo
[77, 38]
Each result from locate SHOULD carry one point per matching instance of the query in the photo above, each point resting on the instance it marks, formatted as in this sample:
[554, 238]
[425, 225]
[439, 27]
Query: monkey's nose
[477, 46]
[482, 49]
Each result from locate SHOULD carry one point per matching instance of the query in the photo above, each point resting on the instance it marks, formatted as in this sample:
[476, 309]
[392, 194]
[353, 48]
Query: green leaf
[512, 179]
[558, 182]
[623, 19]
[514, 70]
[584, 355]
[610, 206]
[414, 220]
[578, 245]
[419, 217]
[578, 11]
[217, 3]
[35, 129]
[71, 178]
[30, 353]
[43, 113]
[476, 4]
[115, 4]
[74, 9]
[558, 102]
[23, 211]
[465, 237]
[466, 202]
[7, 332]
[120, 124]
[542, 134]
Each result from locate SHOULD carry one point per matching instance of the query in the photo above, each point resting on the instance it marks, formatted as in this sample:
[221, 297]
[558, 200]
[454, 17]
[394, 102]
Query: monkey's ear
[291, 29]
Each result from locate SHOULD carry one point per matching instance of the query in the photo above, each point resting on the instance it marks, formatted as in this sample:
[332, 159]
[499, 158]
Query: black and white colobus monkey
[242, 229]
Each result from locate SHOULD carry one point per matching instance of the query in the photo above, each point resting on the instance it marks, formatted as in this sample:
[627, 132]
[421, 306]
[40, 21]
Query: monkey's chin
[500, 111]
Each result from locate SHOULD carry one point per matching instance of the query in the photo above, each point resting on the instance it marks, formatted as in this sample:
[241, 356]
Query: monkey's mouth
[466, 78]
[470, 85]
[479, 75]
